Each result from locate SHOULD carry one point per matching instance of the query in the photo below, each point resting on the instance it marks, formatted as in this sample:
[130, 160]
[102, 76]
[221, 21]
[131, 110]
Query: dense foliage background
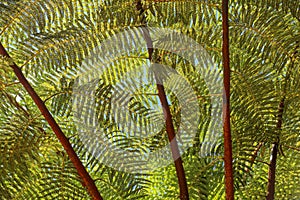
[49, 41]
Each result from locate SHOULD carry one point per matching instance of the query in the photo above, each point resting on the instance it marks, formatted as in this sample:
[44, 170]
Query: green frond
[52, 40]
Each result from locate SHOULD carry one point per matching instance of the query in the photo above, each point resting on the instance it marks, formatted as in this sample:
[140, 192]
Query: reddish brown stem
[273, 159]
[271, 174]
[183, 188]
[184, 195]
[226, 105]
[88, 182]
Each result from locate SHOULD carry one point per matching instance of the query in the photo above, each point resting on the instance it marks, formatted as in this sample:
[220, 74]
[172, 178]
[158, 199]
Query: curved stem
[183, 188]
[87, 181]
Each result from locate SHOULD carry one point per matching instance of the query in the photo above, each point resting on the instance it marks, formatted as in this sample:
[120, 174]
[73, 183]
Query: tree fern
[49, 41]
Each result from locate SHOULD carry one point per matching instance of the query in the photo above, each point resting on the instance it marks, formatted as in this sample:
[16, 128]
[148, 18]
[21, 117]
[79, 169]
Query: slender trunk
[275, 146]
[184, 195]
[183, 188]
[226, 105]
[271, 174]
[88, 182]
[273, 159]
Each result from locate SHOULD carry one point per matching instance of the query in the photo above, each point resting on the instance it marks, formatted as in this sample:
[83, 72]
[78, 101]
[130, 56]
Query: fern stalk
[272, 165]
[275, 146]
[226, 105]
[271, 173]
[183, 188]
[87, 181]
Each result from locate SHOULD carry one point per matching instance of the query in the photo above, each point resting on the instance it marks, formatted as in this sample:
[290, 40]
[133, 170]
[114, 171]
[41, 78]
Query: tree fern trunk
[273, 159]
[226, 105]
[183, 188]
[87, 181]
[272, 171]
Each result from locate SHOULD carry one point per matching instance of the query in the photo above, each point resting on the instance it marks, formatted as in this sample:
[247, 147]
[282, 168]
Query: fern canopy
[50, 41]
